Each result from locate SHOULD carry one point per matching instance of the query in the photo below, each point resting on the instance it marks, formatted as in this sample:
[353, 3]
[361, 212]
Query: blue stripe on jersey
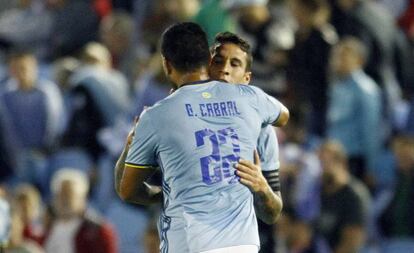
[165, 223]
[165, 187]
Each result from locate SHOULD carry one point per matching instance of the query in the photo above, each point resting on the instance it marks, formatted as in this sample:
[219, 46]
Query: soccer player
[231, 62]
[196, 136]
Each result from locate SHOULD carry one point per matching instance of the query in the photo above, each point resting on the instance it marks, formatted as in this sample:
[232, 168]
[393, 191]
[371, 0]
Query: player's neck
[191, 77]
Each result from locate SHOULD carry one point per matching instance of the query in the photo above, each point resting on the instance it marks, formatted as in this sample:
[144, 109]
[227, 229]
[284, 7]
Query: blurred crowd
[75, 73]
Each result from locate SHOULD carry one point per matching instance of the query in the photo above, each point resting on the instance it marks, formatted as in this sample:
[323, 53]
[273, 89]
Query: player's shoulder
[250, 90]
[159, 109]
[242, 89]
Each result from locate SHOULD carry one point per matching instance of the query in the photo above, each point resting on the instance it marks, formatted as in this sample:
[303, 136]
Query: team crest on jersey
[206, 95]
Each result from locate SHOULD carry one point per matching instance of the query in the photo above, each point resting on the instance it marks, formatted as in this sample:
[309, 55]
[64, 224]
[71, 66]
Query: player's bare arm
[283, 117]
[268, 202]
[130, 182]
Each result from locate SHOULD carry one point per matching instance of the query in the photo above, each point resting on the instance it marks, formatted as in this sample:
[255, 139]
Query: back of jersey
[196, 136]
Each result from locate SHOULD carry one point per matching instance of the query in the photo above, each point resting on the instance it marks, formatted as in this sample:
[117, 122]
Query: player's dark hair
[228, 37]
[185, 46]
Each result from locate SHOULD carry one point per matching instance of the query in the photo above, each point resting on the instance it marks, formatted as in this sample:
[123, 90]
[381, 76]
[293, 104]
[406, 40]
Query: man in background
[33, 108]
[344, 202]
[354, 109]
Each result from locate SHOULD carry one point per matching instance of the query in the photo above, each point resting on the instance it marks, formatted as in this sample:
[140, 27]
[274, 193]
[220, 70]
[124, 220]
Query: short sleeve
[269, 108]
[268, 149]
[144, 144]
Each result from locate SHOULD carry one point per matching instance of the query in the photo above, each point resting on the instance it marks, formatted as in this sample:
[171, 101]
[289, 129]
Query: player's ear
[247, 77]
[167, 66]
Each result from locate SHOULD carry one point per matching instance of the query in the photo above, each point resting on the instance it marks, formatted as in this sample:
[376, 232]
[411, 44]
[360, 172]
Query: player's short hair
[228, 37]
[185, 46]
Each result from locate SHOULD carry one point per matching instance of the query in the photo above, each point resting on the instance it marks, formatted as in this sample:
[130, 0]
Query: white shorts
[235, 249]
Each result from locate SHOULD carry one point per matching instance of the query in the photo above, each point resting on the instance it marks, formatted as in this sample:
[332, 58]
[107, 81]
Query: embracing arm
[268, 205]
[130, 182]
[283, 117]
[267, 199]
[119, 169]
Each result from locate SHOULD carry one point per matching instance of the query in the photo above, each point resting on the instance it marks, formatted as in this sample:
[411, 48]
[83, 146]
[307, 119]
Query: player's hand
[132, 132]
[251, 174]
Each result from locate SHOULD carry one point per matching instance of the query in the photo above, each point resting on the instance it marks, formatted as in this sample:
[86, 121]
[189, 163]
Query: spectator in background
[214, 17]
[74, 229]
[373, 24]
[75, 23]
[344, 202]
[151, 87]
[308, 69]
[17, 243]
[32, 105]
[99, 95]
[148, 89]
[117, 34]
[28, 200]
[63, 69]
[300, 176]
[152, 18]
[397, 221]
[33, 108]
[299, 236]
[271, 35]
[354, 110]
[153, 25]
[28, 24]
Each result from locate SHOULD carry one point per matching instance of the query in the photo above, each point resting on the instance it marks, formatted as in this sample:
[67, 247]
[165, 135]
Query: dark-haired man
[211, 125]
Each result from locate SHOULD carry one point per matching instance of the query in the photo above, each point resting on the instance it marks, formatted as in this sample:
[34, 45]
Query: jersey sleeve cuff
[140, 166]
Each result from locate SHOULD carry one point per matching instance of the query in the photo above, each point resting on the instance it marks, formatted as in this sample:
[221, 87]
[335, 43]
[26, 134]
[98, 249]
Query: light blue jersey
[268, 149]
[195, 136]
